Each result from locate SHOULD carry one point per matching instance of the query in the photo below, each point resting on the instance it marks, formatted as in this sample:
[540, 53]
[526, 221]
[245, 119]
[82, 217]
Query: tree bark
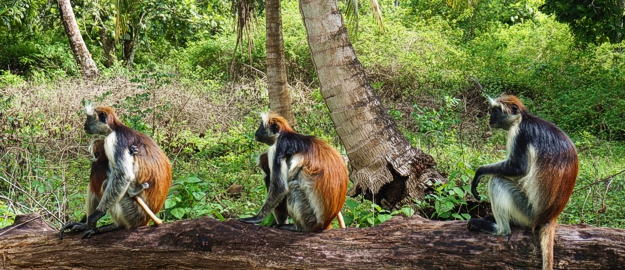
[383, 164]
[76, 43]
[414, 243]
[277, 87]
[108, 46]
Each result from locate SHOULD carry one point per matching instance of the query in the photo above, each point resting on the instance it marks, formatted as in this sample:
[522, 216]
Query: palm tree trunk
[383, 165]
[277, 87]
[76, 43]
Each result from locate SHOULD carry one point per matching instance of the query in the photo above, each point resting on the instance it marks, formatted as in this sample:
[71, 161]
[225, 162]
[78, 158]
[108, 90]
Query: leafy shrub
[361, 213]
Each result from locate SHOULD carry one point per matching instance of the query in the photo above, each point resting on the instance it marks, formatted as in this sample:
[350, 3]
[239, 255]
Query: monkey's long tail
[341, 221]
[147, 210]
[547, 235]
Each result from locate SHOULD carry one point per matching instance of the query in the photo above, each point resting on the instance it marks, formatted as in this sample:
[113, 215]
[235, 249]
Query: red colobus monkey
[533, 184]
[127, 164]
[280, 213]
[302, 172]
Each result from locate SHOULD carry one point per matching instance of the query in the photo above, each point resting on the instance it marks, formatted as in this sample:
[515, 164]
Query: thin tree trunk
[384, 166]
[277, 87]
[108, 45]
[130, 46]
[76, 43]
[406, 243]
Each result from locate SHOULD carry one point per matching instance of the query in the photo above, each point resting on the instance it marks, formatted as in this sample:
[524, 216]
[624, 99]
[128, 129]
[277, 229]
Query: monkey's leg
[509, 204]
[275, 196]
[280, 214]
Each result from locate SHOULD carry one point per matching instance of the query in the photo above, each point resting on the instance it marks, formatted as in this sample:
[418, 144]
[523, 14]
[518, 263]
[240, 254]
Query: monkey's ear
[102, 117]
[274, 128]
[515, 108]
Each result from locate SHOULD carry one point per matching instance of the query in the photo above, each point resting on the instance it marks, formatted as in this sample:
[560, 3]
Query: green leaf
[459, 192]
[384, 218]
[351, 203]
[178, 212]
[170, 202]
[408, 211]
[192, 179]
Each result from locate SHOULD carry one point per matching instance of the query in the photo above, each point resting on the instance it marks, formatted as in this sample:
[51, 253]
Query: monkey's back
[152, 166]
[327, 169]
[556, 161]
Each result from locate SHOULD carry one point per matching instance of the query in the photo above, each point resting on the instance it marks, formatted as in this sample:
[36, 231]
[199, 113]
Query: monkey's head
[100, 120]
[97, 149]
[505, 112]
[270, 128]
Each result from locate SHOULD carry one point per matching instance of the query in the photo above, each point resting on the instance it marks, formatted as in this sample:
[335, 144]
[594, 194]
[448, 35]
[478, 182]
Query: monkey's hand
[476, 180]
[253, 220]
[73, 227]
[133, 150]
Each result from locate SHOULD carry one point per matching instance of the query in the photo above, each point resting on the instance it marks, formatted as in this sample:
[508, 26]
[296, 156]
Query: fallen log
[399, 243]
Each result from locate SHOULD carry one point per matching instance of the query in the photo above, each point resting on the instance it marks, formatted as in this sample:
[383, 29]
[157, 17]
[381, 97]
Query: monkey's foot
[289, 227]
[490, 218]
[88, 234]
[102, 229]
[253, 220]
[481, 225]
[73, 227]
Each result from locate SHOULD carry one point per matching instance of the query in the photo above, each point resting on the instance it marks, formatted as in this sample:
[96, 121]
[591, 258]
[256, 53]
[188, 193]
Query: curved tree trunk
[79, 49]
[384, 166]
[277, 87]
[404, 243]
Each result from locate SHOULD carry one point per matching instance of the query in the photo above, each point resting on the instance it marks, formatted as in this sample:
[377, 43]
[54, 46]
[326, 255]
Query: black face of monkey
[267, 135]
[97, 125]
[501, 119]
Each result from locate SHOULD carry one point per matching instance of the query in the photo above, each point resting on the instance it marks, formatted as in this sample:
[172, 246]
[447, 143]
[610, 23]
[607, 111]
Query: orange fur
[275, 118]
[323, 165]
[152, 165]
[98, 168]
[326, 167]
[506, 102]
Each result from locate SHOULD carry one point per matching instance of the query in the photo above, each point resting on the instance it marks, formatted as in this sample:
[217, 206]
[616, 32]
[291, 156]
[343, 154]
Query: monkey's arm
[513, 166]
[116, 185]
[278, 189]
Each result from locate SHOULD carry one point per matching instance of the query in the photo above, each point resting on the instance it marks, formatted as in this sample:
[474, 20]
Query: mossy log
[413, 243]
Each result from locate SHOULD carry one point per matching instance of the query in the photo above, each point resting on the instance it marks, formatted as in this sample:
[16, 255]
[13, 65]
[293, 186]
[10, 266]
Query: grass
[207, 133]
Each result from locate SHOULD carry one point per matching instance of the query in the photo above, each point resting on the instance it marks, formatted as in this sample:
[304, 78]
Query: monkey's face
[504, 117]
[267, 133]
[97, 123]
[97, 149]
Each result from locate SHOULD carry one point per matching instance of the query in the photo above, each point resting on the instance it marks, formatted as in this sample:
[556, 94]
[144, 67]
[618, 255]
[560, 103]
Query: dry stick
[341, 221]
[147, 210]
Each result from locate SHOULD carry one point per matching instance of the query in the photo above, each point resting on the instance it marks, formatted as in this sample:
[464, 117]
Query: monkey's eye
[515, 108]
[274, 128]
[96, 155]
[102, 117]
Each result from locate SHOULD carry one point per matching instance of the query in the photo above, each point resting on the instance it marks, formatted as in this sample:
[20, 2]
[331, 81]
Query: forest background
[171, 70]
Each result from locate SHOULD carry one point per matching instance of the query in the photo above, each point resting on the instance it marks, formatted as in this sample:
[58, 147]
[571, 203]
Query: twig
[34, 200]
[599, 181]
